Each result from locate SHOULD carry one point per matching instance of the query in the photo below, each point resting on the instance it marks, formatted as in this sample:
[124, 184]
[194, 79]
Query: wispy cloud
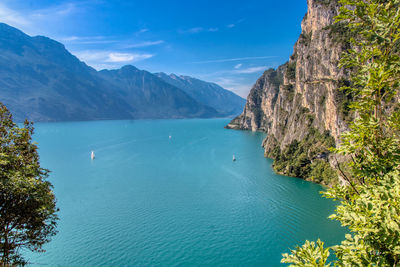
[143, 30]
[234, 85]
[195, 30]
[232, 25]
[199, 30]
[110, 59]
[88, 39]
[236, 79]
[58, 10]
[232, 59]
[144, 44]
[41, 21]
[251, 70]
[127, 57]
[123, 42]
[13, 17]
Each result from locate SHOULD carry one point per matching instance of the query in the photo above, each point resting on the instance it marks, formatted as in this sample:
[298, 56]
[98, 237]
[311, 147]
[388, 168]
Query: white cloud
[120, 57]
[13, 18]
[230, 25]
[238, 66]
[251, 70]
[109, 59]
[213, 29]
[127, 57]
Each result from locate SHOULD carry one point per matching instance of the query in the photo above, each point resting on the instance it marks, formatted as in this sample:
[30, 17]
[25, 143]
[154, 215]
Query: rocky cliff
[299, 105]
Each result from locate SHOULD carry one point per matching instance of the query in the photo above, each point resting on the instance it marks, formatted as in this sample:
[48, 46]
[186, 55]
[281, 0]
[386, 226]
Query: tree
[27, 204]
[370, 200]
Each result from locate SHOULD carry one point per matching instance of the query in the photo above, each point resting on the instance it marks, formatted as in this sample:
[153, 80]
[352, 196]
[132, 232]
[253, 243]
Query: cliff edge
[299, 105]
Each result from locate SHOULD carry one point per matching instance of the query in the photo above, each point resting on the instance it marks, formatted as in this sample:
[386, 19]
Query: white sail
[92, 156]
[233, 158]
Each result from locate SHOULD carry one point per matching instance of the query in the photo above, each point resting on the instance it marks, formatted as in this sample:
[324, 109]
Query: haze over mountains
[40, 80]
[224, 101]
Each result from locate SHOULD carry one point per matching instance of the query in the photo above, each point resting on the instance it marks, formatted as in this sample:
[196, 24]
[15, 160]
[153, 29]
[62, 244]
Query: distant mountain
[211, 94]
[40, 80]
[151, 97]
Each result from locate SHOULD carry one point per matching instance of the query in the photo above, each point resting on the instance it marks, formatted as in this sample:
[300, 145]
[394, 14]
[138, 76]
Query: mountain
[150, 97]
[211, 94]
[299, 105]
[40, 80]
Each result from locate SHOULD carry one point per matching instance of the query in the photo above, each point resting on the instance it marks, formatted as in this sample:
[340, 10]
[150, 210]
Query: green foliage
[307, 159]
[289, 90]
[373, 139]
[305, 38]
[340, 34]
[27, 204]
[373, 218]
[309, 255]
[344, 100]
[322, 173]
[370, 198]
[291, 70]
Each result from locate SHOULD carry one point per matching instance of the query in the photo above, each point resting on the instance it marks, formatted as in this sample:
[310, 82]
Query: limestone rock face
[303, 93]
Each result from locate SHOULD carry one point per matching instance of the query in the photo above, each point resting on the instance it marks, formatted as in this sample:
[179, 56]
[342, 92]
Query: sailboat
[92, 156]
[233, 157]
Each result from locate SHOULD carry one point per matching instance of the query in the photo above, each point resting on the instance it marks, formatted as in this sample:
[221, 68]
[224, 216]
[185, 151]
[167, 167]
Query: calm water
[147, 200]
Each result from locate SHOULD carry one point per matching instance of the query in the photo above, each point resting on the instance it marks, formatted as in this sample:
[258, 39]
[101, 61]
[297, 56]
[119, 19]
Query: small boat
[233, 158]
[170, 137]
[92, 156]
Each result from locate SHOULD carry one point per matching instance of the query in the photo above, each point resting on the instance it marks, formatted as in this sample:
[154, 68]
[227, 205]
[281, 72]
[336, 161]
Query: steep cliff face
[301, 99]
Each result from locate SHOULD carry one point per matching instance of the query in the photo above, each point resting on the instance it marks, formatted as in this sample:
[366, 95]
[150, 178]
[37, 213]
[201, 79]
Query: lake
[151, 200]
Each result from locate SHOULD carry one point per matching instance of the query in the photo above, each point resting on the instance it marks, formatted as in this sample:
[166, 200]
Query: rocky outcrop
[303, 94]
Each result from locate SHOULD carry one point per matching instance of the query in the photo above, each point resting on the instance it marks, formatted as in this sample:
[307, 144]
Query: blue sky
[227, 42]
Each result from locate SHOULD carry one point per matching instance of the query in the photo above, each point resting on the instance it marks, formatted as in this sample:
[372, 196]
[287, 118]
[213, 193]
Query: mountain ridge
[224, 101]
[41, 80]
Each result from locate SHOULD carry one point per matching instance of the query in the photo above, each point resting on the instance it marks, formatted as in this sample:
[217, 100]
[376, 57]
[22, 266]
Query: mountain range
[41, 80]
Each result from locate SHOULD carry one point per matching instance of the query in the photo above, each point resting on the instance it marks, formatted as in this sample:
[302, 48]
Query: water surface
[151, 200]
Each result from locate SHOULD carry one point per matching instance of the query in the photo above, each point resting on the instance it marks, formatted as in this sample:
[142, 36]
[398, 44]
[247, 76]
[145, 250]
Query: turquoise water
[147, 200]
